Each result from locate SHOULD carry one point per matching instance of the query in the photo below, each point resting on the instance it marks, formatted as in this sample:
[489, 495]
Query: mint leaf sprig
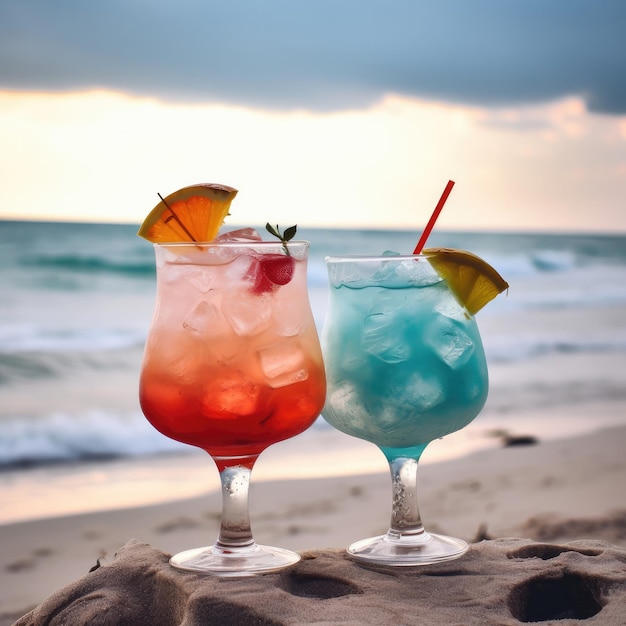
[287, 235]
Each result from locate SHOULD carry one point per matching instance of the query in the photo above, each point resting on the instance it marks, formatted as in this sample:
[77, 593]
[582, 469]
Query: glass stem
[405, 515]
[235, 530]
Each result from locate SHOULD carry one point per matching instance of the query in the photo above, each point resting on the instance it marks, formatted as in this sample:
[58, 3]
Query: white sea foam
[60, 437]
[31, 338]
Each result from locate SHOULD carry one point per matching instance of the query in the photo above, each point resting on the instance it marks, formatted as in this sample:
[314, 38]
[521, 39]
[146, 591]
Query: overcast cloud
[322, 54]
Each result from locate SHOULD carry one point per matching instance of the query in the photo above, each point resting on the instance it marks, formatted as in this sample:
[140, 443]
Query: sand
[503, 582]
[555, 491]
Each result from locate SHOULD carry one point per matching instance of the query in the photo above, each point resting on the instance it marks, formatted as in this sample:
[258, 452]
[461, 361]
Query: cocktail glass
[404, 366]
[232, 365]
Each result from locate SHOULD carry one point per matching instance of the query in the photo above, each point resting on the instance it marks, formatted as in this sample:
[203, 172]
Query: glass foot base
[423, 549]
[247, 561]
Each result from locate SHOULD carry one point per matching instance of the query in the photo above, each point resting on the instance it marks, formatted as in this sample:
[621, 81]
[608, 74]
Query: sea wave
[37, 366]
[537, 263]
[20, 338]
[91, 264]
[520, 348]
[58, 438]
[93, 435]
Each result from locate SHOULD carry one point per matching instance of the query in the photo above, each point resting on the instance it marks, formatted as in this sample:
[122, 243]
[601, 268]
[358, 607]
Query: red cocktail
[232, 365]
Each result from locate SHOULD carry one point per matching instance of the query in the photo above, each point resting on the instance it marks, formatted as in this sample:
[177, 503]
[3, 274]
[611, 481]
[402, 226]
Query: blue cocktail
[404, 366]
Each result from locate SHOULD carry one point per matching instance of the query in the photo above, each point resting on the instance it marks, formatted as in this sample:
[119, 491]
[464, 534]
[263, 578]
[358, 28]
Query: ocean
[76, 303]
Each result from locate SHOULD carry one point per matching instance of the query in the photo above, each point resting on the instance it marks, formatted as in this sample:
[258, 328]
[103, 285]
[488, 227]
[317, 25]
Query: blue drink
[404, 365]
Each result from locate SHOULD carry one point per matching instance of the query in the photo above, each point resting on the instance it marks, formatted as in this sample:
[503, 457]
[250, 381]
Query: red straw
[433, 217]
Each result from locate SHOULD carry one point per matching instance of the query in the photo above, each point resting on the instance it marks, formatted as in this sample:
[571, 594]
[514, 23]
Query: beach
[553, 491]
[82, 472]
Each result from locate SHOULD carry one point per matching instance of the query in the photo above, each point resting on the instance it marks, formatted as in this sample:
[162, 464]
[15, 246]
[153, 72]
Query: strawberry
[272, 270]
[278, 268]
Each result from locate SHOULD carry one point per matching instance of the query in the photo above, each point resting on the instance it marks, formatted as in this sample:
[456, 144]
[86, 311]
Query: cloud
[323, 55]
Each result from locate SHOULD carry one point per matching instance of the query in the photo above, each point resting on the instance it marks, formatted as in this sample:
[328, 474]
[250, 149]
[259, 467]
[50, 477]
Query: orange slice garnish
[192, 213]
[472, 280]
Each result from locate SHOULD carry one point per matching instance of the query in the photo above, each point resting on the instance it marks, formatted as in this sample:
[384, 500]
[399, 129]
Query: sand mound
[502, 581]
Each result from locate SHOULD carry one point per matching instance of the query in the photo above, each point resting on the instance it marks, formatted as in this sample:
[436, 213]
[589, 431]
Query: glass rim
[229, 244]
[367, 257]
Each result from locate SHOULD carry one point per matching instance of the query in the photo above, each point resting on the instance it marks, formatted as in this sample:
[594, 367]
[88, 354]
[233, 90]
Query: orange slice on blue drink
[471, 279]
[192, 213]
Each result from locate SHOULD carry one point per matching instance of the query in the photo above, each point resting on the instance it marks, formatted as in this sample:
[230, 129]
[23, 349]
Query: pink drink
[232, 362]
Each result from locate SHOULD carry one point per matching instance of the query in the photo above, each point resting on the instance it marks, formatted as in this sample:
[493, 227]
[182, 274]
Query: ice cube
[392, 302]
[342, 398]
[283, 363]
[449, 341]
[383, 338]
[290, 317]
[178, 273]
[182, 363]
[413, 395]
[246, 270]
[203, 281]
[420, 391]
[409, 272]
[353, 275]
[222, 255]
[248, 314]
[244, 267]
[238, 236]
[394, 272]
[203, 319]
[346, 410]
[231, 395]
[409, 398]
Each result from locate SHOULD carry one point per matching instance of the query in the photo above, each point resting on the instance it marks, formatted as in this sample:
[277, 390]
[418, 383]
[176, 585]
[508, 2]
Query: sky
[348, 113]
